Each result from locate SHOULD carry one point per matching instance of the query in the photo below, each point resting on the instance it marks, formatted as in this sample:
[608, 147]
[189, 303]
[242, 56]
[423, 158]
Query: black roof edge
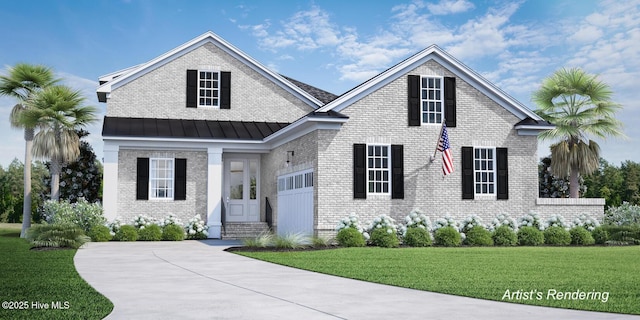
[322, 95]
[328, 114]
[532, 122]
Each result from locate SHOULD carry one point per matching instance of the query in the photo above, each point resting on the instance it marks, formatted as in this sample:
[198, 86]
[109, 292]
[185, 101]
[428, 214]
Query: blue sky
[335, 45]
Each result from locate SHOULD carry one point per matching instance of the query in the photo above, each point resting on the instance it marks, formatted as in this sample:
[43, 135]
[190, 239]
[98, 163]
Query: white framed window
[209, 88]
[161, 178]
[378, 169]
[484, 167]
[432, 99]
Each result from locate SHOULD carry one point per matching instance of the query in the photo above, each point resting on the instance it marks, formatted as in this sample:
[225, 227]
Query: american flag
[443, 146]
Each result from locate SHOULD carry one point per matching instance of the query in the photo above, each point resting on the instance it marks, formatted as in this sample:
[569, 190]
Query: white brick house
[205, 129]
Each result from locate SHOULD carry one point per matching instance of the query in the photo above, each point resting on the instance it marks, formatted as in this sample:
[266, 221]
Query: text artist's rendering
[206, 129]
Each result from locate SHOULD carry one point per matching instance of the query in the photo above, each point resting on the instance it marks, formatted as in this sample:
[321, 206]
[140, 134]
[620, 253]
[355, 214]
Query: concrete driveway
[198, 280]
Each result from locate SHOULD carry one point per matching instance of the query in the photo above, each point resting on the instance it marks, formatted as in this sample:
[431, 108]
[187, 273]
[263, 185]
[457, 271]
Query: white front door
[241, 176]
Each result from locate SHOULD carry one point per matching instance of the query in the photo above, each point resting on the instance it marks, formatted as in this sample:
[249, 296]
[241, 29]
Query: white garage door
[295, 203]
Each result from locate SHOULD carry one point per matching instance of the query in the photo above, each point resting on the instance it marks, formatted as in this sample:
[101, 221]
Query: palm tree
[21, 82]
[57, 111]
[580, 106]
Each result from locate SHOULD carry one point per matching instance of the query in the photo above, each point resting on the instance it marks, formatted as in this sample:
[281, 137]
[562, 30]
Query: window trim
[389, 171]
[494, 170]
[442, 100]
[152, 178]
[213, 89]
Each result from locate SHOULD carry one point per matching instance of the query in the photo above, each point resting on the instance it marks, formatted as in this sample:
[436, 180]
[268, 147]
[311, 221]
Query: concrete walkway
[198, 280]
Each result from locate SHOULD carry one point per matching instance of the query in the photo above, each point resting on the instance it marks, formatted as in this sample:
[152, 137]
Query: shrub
[556, 220]
[478, 236]
[385, 238]
[557, 236]
[82, 213]
[352, 221]
[503, 219]
[629, 234]
[504, 236]
[531, 219]
[470, 222]
[126, 233]
[100, 234]
[196, 229]
[172, 232]
[586, 222]
[114, 226]
[385, 222]
[61, 235]
[530, 236]
[417, 237]
[448, 237]
[581, 236]
[350, 237]
[624, 215]
[415, 219]
[291, 241]
[143, 220]
[151, 232]
[169, 220]
[447, 221]
[600, 235]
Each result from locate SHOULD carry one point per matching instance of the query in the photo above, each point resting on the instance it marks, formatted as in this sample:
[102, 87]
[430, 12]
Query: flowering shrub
[82, 213]
[172, 232]
[385, 222]
[196, 229]
[126, 233]
[169, 220]
[531, 219]
[447, 221]
[503, 219]
[415, 219]
[624, 215]
[114, 226]
[352, 221]
[556, 220]
[586, 222]
[141, 221]
[470, 222]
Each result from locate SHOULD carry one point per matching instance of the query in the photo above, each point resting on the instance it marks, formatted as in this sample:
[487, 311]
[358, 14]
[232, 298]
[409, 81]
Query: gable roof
[435, 53]
[116, 79]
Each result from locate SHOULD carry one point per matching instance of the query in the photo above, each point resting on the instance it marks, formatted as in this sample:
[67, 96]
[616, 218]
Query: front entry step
[244, 230]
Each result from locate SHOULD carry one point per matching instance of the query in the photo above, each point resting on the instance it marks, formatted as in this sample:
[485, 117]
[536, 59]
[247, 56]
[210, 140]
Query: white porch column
[214, 192]
[110, 177]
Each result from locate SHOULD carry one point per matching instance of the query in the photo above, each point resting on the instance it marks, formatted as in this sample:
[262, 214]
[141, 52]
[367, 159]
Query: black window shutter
[502, 167]
[192, 88]
[414, 100]
[397, 172]
[359, 171]
[450, 101]
[225, 90]
[142, 179]
[467, 173]
[180, 191]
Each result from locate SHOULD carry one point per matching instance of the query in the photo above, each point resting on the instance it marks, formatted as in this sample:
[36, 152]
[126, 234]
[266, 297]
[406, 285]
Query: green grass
[45, 277]
[487, 273]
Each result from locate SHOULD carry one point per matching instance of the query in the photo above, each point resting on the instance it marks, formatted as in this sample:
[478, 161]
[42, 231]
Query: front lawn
[43, 284]
[488, 273]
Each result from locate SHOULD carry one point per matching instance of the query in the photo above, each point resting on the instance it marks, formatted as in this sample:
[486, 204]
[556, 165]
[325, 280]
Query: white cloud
[450, 6]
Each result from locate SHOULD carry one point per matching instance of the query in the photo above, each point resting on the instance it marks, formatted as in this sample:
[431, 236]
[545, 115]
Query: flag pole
[432, 158]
